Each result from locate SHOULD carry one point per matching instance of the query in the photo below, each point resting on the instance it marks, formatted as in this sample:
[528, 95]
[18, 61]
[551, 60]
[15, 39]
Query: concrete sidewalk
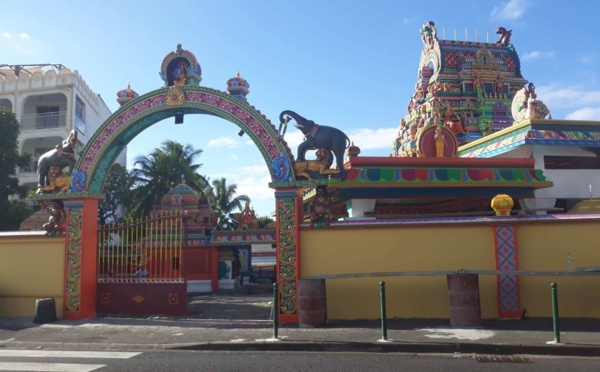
[248, 328]
[580, 337]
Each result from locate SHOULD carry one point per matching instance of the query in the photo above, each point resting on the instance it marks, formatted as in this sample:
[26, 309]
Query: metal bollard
[383, 311]
[555, 317]
[275, 312]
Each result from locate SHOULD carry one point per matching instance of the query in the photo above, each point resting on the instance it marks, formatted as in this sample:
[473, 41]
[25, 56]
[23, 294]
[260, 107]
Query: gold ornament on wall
[175, 96]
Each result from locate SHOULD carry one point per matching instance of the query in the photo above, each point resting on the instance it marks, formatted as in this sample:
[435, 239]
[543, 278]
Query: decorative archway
[181, 95]
[131, 119]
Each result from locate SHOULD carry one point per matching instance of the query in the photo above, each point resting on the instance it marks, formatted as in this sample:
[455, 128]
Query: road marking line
[68, 354]
[49, 367]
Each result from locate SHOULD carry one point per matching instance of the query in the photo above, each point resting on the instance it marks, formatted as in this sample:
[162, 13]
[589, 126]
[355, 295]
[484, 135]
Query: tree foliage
[12, 213]
[264, 221]
[157, 173]
[225, 201]
[117, 195]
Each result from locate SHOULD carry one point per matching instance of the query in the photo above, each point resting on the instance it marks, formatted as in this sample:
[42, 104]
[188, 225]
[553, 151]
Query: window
[80, 115]
[571, 162]
[80, 109]
[47, 116]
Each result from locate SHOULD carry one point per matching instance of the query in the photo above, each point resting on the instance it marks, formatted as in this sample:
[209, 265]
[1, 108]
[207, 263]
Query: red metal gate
[141, 266]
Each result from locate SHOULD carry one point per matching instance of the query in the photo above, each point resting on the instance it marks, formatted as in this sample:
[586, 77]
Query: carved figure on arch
[56, 222]
[62, 156]
[320, 136]
[59, 183]
[500, 85]
[440, 142]
[452, 121]
[526, 106]
[478, 85]
[504, 36]
[428, 34]
[247, 219]
[320, 212]
[316, 169]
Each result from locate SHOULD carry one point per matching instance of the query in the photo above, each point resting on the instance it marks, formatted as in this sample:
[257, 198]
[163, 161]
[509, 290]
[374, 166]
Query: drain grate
[487, 358]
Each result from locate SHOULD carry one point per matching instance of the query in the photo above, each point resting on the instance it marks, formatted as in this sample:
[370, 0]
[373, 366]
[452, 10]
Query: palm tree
[154, 175]
[224, 201]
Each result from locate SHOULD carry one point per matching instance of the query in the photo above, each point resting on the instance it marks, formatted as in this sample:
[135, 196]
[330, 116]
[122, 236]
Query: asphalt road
[180, 361]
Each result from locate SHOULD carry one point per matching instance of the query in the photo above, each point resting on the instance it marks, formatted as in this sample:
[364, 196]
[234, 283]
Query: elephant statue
[320, 136]
[62, 156]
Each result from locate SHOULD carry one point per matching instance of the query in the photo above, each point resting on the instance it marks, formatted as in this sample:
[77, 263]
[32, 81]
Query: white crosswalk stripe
[58, 367]
[49, 367]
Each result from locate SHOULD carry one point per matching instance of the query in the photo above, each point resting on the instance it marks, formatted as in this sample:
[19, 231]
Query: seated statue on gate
[319, 208]
[56, 224]
[246, 220]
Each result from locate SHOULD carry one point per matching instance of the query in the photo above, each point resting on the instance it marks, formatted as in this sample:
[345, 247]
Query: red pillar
[214, 274]
[81, 256]
[289, 216]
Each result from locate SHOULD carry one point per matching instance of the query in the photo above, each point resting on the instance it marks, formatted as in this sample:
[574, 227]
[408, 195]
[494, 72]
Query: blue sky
[348, 64]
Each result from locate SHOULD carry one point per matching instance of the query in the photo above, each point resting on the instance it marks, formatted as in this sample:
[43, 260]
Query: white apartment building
[50, 100]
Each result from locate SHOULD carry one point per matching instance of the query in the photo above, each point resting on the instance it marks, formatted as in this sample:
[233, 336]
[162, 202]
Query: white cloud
[511, 11]
[369, 139]
[588, 57]
[22, 44]
[223, 142]
[586, 113]
[255, 169]
[257, 188]
[365, 138]
[565, 96]
[234, 157]
[293, 139]
[536, 54]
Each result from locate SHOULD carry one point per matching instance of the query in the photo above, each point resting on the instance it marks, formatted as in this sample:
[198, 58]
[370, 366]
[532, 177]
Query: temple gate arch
[181, 95]
[139, 114]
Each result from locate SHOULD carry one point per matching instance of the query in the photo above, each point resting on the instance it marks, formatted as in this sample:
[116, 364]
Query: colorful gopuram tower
[466, 86]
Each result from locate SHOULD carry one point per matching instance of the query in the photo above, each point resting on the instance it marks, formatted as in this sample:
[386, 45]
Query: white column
[537, 205]
[358, 207]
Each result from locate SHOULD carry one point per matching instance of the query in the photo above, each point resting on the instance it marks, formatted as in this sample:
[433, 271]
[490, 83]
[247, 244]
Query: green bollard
[275, 312]
[555, 316]
[383, 312]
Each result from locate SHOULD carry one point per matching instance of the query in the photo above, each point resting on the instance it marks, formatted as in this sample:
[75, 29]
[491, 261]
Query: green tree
[117, 195]
[264, 221]
[12, 213]
[155, 174]
[225, 201]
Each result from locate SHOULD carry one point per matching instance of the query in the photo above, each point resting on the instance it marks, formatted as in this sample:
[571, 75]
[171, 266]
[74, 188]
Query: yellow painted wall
[31, 267]
[545, 247]
[363, 249]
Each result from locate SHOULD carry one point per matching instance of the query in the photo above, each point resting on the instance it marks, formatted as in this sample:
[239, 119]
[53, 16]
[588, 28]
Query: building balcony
[43, 121]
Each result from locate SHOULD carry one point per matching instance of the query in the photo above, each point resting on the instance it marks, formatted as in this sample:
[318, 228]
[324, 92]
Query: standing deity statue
[440, 142]
[428, 34]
